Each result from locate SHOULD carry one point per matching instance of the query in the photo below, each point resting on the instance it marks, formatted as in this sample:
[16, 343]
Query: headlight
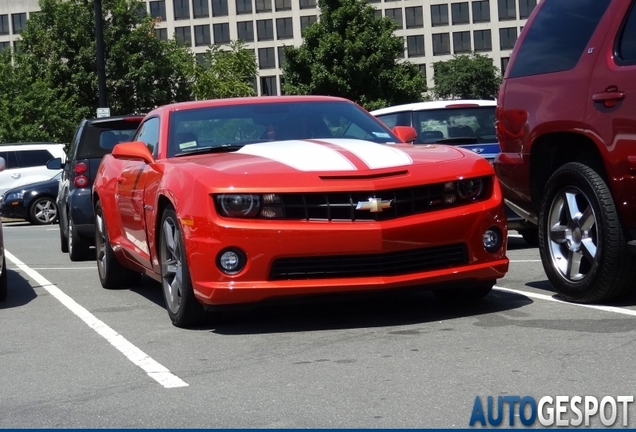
[239, 205]
[470, 189]
[13, 196]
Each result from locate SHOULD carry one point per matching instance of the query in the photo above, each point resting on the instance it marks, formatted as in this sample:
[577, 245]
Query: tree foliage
[350, 53]
[225, 73]
[56, 66]
[471, 76]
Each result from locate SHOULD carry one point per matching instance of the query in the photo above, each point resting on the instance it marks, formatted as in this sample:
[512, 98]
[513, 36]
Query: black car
[34, 202]
[93, 139]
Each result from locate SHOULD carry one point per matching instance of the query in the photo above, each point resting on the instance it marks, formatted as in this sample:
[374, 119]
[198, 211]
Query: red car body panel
[133, 194]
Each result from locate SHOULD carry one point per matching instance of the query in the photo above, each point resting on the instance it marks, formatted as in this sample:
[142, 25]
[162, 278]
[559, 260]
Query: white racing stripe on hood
[372, 154]
[301, 155]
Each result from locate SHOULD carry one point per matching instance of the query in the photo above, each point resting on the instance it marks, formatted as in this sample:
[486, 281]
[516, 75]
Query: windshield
[230, 127]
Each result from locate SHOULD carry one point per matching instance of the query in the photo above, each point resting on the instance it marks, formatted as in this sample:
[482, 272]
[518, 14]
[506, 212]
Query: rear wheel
[43, 211]
[63, 240]
[3, 280]
[78, 247]
[183, 308]
[468, 292]
[581, 240]
[112, 274]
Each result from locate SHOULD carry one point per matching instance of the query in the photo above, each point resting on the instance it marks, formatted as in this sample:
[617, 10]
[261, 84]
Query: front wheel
[43, 211]
[183, 308]
[112, 274]
[581, 240]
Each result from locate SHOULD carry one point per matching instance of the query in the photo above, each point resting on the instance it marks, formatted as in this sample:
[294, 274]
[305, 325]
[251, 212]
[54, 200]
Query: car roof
[245, 100]
[104, 120]
[430, 105]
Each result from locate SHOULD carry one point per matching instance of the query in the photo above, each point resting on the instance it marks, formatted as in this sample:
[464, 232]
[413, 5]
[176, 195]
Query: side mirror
[3, 164]
[54, 164]
[406, 133]
[133, 150]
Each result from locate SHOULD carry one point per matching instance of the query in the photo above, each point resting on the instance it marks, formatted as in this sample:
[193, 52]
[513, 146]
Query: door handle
[16, 175]
[609, 97]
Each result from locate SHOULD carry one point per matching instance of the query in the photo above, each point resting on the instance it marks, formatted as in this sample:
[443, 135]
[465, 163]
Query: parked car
[93, 139]
[4, 286]
[468, 123]
[235, 201]
[26, 163]
[34, 202]
[566, 122]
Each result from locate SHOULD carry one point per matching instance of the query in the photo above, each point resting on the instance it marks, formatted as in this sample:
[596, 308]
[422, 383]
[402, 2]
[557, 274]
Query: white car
[26, 163]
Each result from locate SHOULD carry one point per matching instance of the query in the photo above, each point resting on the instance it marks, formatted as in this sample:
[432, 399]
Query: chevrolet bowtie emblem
[374, 205]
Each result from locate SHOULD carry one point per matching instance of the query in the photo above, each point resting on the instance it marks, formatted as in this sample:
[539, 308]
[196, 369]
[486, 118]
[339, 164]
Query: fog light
[231, 261]
[493, 239]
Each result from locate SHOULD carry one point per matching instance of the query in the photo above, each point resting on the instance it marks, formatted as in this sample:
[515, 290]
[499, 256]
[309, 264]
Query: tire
[183, 308]
[63, 240]
[4, 285]
[43, 211]
[530, 235]
[581, 240]
[78, 247]
[464, 293]
[112, 274]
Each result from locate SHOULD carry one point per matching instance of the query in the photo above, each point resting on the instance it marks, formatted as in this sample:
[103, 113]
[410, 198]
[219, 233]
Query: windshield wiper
[216, 149]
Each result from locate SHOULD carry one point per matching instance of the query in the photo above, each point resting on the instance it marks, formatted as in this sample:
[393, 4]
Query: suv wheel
[43, 211]
[581, 240]
[78, 246]
[63, 240]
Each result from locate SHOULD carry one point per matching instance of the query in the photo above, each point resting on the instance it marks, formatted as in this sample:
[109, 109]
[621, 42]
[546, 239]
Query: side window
[390, 120]
[558, 36]
[33, 158]
[74, 142]
[626, 47]
[149, 133]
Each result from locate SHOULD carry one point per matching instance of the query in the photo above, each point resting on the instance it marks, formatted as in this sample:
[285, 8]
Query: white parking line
[155, 370]
[613, 309]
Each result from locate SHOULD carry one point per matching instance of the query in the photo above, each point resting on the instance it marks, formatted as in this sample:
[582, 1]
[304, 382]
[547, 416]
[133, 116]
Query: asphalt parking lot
[73, 354]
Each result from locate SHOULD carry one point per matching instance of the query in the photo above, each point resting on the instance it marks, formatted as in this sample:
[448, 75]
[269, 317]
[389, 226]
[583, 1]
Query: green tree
[58, 52]
[350, 53]
[471, 76]
[225, 73]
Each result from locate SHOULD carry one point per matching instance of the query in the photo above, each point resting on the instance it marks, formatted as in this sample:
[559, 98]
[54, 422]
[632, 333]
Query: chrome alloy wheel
[172, 264]
[45, 211]
[573, 240]
[100, 244]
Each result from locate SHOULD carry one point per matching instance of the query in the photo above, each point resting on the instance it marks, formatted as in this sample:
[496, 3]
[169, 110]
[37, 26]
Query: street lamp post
[101, 69]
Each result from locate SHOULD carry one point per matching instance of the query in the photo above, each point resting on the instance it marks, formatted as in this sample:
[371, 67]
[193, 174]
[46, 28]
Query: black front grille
[386, 264]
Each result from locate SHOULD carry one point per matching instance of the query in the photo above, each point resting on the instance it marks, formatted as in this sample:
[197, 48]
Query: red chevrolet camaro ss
[236, 201]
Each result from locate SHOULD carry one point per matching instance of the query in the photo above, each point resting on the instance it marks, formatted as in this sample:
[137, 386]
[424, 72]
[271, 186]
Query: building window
[200, 8]
[507, 38]
[507, 10]
[377, 13]
[281, 58]
[483, 40]
[441, 44]
[268, 86]
[263, 5]
[526, 7]
[219, 8]
[415, 45]
[265, 30]
[284, 28]
[504, 64]
[461, 42]
[308, 20]
[181, 9]
[5, 46]
[202, 35]
[19, 22]
[414, 17]
[221, 33]
[161, 34]
[423, 70]
[375, 1]
[283, 5]
[439, 15]
[245, 30]
[282, 85]
[396, 15]
[158, 9]
[481, 11]
[4, 25]
[460, 13]
[307, 4]
[266, 58]
[184, 36]
[401, 53]
[243, 7]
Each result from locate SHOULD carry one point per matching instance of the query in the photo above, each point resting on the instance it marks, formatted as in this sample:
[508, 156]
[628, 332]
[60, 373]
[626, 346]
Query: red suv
[566, 122]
